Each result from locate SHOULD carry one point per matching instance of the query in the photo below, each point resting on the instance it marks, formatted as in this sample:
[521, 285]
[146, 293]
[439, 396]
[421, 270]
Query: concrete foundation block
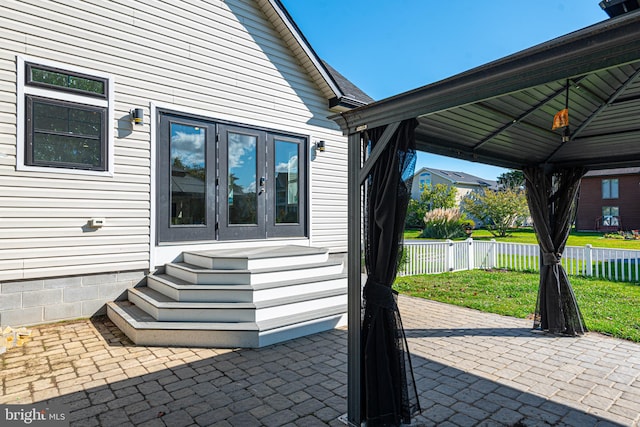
[62, 311]
[22, 317]
[21, 286]
[82, 293]
[42, 298]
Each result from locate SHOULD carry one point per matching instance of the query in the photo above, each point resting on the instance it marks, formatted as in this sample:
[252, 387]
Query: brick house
[609, 200]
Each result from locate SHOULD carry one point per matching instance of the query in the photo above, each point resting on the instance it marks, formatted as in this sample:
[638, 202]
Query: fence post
[450, 258]
[492, 255]
[471, 258]
[589, 259]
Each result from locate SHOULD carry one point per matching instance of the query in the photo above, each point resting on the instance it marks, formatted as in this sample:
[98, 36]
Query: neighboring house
[463, 182]
[229, 103]
[609, 200]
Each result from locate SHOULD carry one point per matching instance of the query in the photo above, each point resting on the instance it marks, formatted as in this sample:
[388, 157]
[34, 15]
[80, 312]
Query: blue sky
[388, 47]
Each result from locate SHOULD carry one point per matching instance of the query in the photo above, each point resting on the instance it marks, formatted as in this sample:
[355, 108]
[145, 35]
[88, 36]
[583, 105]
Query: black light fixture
[137, 116]
[320, 146]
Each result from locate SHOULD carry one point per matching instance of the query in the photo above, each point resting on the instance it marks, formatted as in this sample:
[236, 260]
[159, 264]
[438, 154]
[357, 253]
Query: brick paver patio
[471, 368]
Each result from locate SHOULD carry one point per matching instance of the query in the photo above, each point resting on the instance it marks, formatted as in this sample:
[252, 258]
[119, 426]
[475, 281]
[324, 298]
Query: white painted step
[256, 258]
[204, 276]
[163, 308]
[180, 290]
[142, 329]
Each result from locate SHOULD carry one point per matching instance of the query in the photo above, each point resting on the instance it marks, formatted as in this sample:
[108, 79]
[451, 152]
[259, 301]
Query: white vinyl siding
[219, 57]
[329, 195]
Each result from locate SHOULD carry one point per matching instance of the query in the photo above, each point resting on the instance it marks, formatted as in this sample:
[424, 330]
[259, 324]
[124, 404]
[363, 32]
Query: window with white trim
[64, 117]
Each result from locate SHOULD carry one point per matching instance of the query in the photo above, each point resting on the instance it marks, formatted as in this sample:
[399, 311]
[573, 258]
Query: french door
[242, 184]
[186, 181]
[227, 182]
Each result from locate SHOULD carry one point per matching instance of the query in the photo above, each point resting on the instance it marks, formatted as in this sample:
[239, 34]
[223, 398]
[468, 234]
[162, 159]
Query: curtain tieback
[551, 258]
[381, 295]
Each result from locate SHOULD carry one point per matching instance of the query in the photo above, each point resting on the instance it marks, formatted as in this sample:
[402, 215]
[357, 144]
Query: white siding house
[463, 182]
[230, 93]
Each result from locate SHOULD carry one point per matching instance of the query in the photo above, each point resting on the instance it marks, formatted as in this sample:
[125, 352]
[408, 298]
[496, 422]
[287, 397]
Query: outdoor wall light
[320, 146]
[137, 116]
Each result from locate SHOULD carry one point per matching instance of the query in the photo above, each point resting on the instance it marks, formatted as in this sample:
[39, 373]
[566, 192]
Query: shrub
[445, 224]
[431, 197]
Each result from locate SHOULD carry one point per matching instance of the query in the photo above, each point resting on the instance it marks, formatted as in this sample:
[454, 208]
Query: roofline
[448, 178]
[345, 102]
[613, 172]
[611, 42]
[304, 44]
[436, 173]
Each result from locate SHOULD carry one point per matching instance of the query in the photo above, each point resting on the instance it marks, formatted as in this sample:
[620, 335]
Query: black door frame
[226, 229]
[216, 227]
[167, 232]
[293, 229]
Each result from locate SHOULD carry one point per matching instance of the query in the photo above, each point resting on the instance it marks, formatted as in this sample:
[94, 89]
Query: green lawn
[612, 308]
[526, 235]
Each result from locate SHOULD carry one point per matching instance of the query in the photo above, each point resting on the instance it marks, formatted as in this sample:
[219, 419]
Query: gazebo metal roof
[501, 113]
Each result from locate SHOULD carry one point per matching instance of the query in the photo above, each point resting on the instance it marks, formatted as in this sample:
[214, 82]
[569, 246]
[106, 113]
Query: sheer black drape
[552, 199]
[389, 395]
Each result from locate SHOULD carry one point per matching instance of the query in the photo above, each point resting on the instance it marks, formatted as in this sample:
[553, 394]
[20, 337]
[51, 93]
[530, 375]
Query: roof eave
[344, 103]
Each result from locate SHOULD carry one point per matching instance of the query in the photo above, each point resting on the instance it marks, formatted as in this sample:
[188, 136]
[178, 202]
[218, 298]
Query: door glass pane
[286, 176]
[242, 197]
[188, 175]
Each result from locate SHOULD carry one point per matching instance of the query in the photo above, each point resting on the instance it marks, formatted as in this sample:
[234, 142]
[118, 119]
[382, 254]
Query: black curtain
[389, 395]
[552, 197]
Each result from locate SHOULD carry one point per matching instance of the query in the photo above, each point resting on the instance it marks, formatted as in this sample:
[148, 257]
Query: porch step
[142, 329]
[238, 298]
[205, 276]
[180, 290]
[163, 308]
[257, 258]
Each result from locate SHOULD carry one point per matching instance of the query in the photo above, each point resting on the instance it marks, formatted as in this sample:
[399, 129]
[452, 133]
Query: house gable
[340, 92]
[222, 62]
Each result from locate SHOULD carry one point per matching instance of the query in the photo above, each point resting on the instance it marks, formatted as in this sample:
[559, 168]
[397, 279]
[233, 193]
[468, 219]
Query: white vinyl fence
[442, 256]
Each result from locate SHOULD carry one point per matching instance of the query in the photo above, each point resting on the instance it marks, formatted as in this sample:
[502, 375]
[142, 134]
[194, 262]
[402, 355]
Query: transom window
[54, 78]
[609, 188]
[64, 118]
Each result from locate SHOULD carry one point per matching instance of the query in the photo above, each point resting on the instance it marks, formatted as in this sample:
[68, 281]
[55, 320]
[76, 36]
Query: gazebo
[584, 85]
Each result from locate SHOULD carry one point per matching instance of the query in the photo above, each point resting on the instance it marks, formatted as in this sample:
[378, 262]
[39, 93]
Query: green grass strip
[611, 308]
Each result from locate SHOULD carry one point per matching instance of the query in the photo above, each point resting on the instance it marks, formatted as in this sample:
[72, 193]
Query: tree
[498, 210]
[439, 196]
[432, 197]
[512, 179]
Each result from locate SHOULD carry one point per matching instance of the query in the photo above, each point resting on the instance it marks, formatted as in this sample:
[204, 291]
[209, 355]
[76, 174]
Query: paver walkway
[471, 369]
